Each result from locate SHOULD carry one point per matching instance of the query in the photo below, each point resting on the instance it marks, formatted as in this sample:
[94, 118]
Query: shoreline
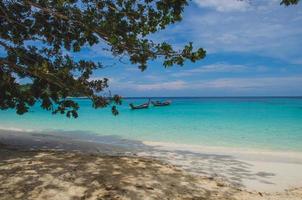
[253, 171]
[168, 145]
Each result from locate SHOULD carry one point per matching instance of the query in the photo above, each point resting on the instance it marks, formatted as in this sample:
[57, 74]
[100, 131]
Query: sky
[254, 48]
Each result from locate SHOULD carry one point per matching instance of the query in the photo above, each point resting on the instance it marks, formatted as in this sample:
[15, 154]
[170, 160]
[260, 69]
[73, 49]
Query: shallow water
[265, 123]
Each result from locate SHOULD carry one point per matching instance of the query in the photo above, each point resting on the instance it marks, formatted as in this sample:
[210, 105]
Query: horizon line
[133, 97]
[212, 96]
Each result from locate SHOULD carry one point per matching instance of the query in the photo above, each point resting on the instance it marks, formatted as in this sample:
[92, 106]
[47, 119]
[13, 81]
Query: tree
[36, 34]
[289, 2]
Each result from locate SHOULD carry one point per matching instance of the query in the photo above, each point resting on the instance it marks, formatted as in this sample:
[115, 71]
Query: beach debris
[109, 187]
[220, 184]
[139, 186]
[150, 188]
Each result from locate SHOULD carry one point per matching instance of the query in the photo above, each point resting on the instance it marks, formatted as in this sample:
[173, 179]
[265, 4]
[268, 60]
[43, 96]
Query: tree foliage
[37, 36]
[289, 2]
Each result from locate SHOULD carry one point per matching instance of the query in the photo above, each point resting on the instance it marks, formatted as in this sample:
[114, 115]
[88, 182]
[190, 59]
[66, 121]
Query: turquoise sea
[245, 122]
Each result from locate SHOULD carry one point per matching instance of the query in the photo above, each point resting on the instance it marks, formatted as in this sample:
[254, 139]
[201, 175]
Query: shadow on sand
[78, 173]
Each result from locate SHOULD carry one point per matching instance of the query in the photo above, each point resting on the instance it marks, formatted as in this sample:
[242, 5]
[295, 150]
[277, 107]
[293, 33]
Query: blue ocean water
[265, 123]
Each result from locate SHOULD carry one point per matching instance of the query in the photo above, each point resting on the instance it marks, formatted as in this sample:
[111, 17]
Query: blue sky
[254, 48]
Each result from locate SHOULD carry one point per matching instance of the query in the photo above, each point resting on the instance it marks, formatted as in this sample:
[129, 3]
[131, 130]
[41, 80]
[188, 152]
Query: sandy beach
[253, 169]
[49, 166]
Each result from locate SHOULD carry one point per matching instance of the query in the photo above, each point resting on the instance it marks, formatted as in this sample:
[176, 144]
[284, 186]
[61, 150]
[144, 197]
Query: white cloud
[251, 32]
[265, 29]
[152, 86]
[220, 67]
[224, 5]
[213, 68]
[169, 85]
[250, 84]
[269, 85]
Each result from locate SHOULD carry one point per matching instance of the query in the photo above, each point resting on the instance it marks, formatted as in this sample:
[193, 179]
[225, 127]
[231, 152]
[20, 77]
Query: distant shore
[243, 173]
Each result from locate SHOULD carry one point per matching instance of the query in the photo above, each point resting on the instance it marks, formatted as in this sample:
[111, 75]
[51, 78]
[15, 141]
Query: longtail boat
[164, 103]
[142, 106]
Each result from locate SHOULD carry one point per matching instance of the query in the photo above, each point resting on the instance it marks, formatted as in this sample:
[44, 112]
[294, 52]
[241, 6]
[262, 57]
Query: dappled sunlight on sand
[71, 176]
[47, 167]
[62, 175]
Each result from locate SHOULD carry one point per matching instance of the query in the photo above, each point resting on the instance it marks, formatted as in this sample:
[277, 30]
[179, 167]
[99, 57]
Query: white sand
[260, 170]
